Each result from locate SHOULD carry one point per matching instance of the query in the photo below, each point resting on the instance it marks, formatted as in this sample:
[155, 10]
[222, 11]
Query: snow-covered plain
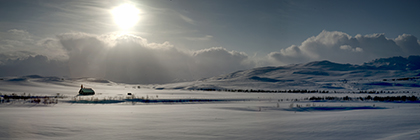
[218, 115]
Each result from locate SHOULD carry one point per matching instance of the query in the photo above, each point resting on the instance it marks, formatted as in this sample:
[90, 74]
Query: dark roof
[86, 90]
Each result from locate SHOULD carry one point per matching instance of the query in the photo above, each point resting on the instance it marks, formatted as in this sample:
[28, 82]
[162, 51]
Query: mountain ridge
[391, 63]
[322, 74]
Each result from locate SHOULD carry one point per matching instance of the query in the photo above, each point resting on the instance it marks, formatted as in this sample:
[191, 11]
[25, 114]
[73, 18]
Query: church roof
[87, 90]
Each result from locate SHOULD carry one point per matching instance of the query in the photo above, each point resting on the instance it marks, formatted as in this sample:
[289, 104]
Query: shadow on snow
[330, 108]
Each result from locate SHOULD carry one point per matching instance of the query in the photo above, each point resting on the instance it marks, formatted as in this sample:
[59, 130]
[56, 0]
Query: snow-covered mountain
[394, 73]
[395, 63]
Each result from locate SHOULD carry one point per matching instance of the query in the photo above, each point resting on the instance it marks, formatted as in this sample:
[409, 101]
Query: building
[86, 91]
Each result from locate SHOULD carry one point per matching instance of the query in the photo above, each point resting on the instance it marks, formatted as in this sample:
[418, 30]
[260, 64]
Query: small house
[86, 91]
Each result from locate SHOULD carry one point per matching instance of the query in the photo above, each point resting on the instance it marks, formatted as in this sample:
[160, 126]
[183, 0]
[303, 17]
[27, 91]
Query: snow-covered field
[209, 115]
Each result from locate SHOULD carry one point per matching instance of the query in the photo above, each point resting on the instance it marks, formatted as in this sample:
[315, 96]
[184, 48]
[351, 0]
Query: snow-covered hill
[394, 73]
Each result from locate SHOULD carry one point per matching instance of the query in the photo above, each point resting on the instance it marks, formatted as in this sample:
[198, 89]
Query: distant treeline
[367, 98]
[403, 79]
[301, 91]
[5, 98]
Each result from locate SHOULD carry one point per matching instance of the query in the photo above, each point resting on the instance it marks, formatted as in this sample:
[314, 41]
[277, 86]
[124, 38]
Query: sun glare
[126, 16]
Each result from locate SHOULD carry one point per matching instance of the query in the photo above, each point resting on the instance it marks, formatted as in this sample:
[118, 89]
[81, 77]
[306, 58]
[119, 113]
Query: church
[86, 91]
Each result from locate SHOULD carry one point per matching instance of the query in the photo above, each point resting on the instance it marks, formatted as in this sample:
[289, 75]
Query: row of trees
[6, 98]
[300, 91]
[367, 98]
[403, 79]
[265, 91]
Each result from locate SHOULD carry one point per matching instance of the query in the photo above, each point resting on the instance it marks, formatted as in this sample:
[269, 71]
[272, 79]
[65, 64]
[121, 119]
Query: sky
[161, 41]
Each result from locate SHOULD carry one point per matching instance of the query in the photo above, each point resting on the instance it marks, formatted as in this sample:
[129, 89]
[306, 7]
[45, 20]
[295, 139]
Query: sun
[126, 16]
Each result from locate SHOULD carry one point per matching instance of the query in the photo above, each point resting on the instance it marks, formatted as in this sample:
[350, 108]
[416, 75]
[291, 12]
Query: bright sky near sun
[126, 16]
[219, 36]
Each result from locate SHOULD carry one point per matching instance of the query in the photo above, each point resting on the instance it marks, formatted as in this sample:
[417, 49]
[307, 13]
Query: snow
[183, 111]
[229, 115]
[237, 120]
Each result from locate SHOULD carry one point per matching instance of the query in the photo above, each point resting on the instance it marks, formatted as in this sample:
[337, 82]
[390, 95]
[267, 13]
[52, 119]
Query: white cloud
[348, 47]
[205, 38]
[187, 19]
[19, 34]
[408, 43]
[20, 44]
[292, 54]
[341, 47]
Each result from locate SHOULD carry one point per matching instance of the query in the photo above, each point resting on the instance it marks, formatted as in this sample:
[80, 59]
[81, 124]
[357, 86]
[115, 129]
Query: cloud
[348, 47]
[205, 38]
[124, 58]
[38, 64]
[187, 19]
[85, 53]
[133, 59]
[292, 54]
[408, 43]
[341, 47]
[20, 44]
[129, 61]
[218, 60]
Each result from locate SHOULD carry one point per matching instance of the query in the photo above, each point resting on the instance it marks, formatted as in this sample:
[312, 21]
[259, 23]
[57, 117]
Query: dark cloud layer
[33, 65]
